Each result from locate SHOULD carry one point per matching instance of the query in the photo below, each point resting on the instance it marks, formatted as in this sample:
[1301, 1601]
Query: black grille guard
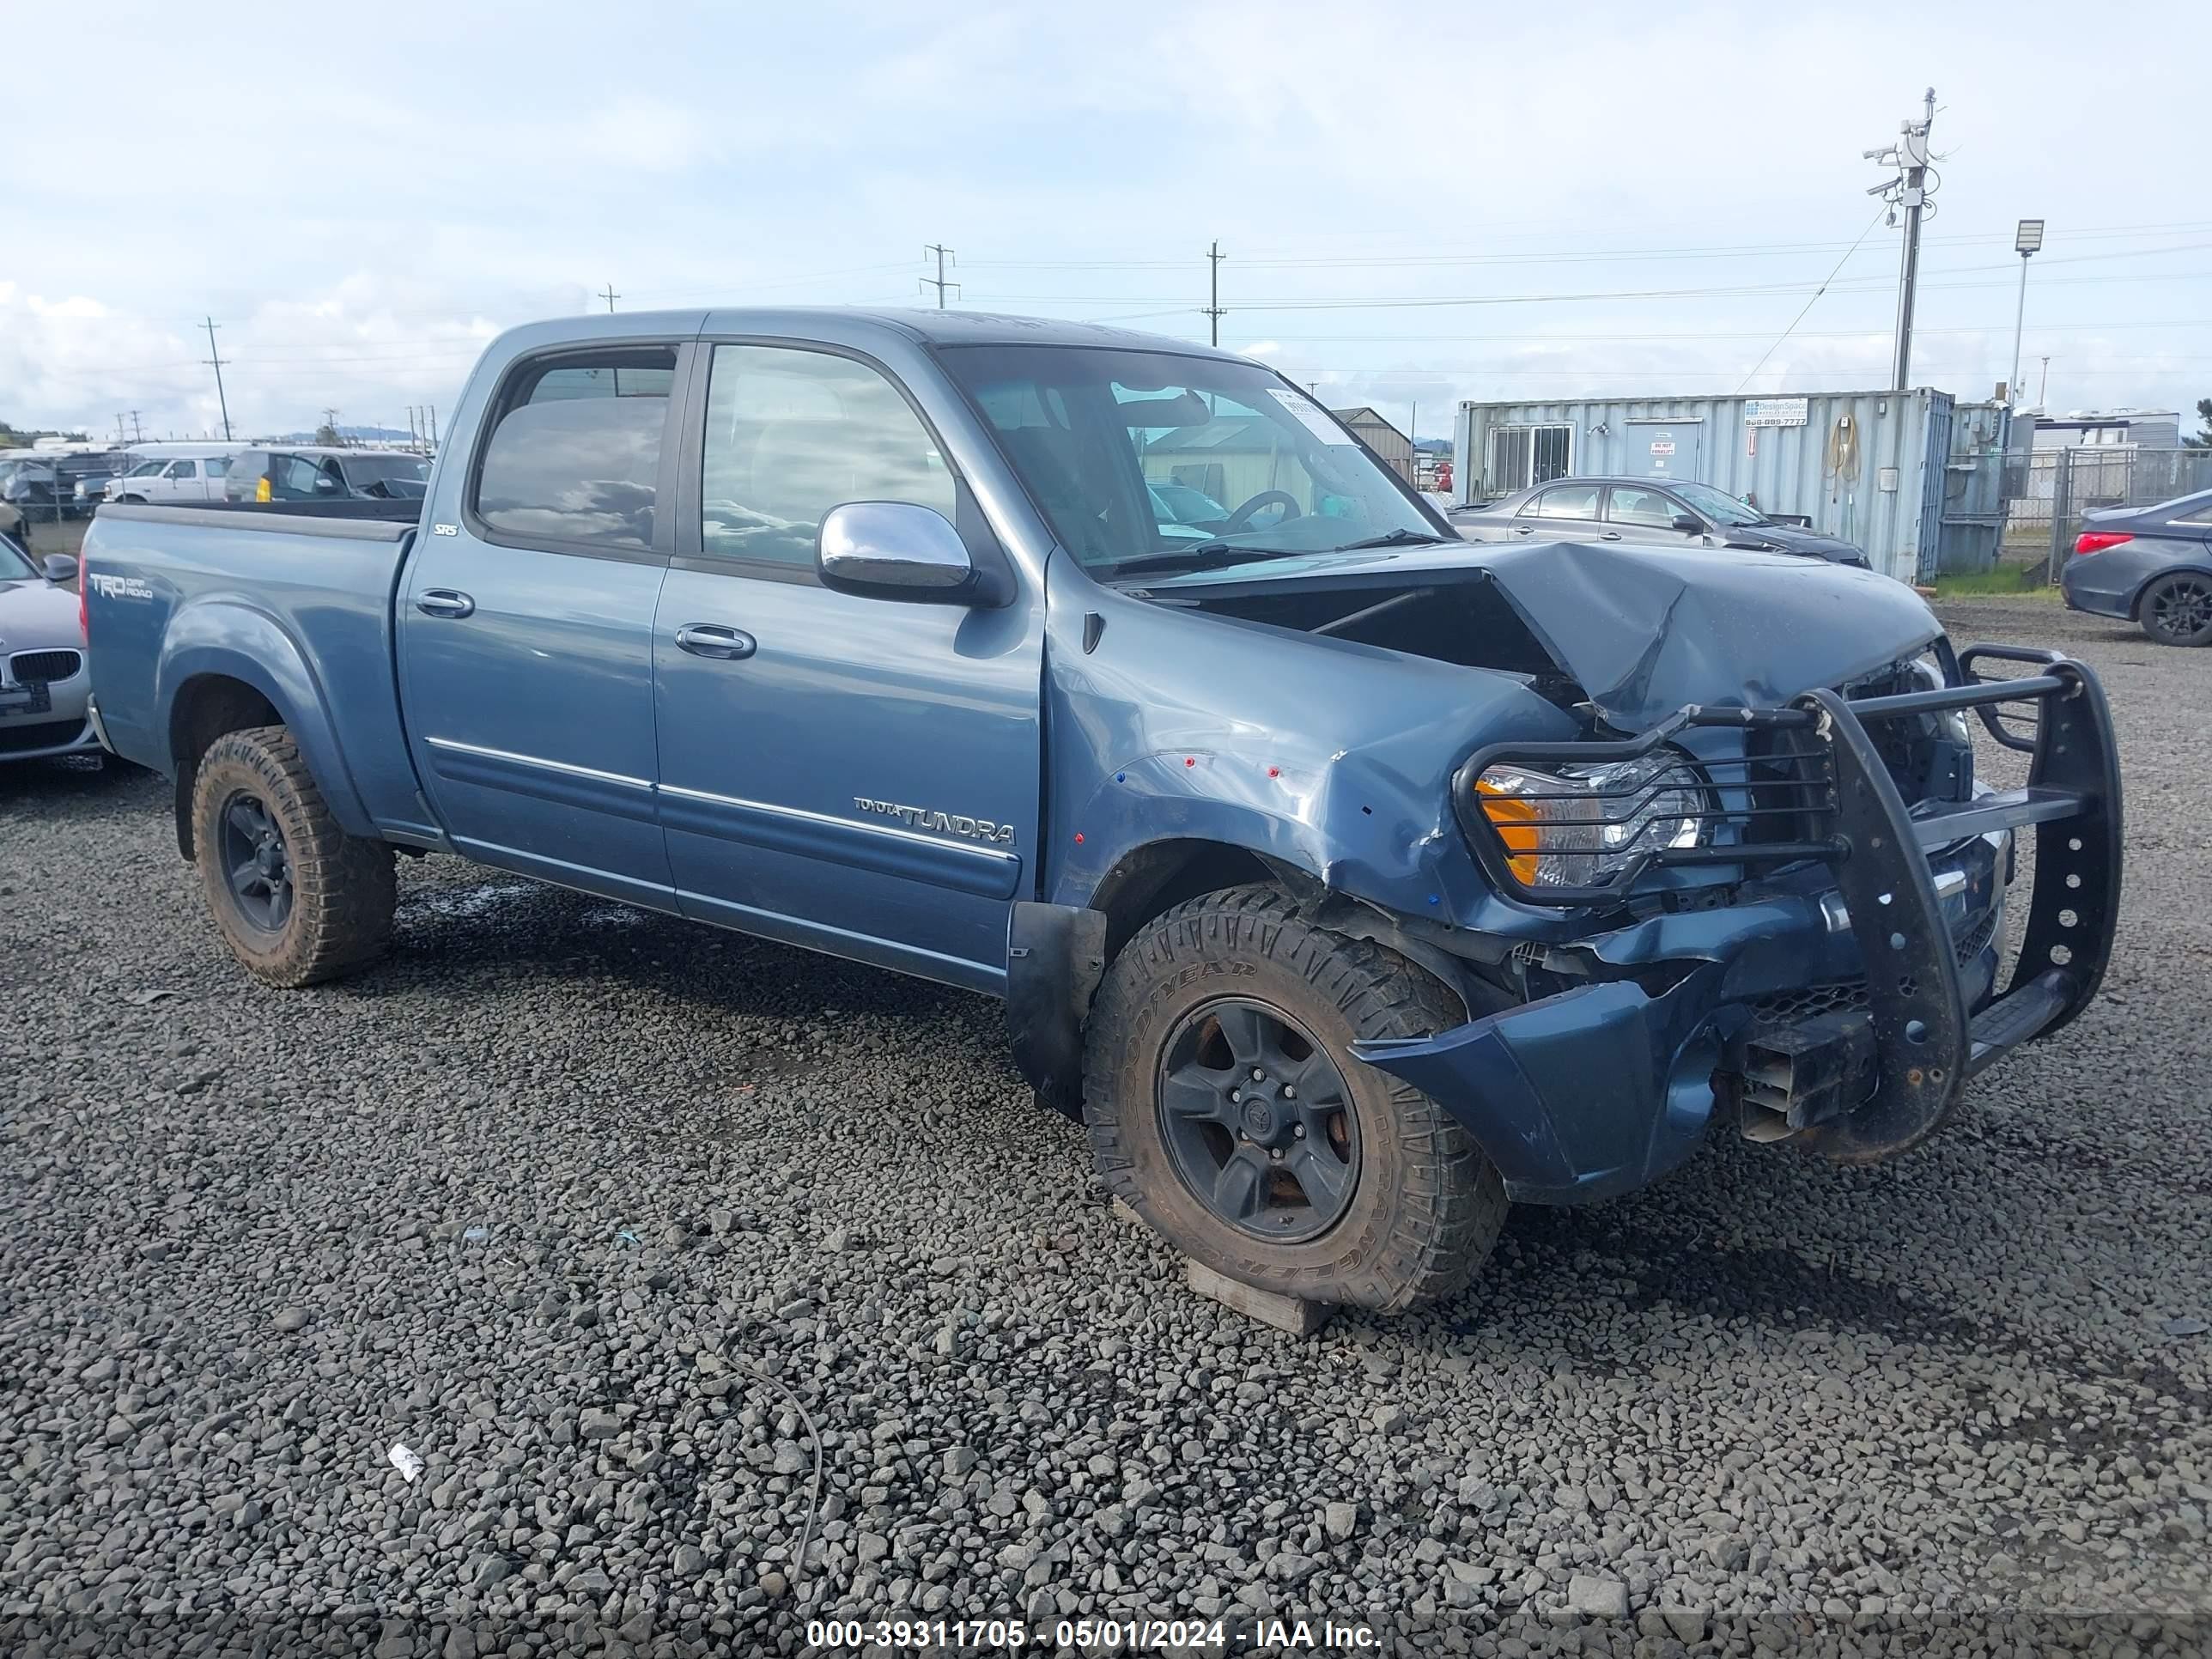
[1824, 785]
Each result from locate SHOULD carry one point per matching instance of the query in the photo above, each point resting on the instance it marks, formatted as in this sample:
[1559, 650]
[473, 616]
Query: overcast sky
[1418, 204]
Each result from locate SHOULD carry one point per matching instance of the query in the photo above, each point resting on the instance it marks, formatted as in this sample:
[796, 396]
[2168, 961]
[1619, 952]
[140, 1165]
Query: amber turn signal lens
[1515, 820]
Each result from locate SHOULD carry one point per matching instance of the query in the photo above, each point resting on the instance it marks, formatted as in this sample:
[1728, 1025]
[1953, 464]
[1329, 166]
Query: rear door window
[574, 454]
[1568, 501]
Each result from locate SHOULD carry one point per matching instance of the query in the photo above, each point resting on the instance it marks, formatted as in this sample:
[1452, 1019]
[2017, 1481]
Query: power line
[1814, 301]
[1567, 255]
[1582, 338]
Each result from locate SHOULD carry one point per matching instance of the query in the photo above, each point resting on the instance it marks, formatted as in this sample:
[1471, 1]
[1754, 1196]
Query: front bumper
[63, 726]
[1599, 1088]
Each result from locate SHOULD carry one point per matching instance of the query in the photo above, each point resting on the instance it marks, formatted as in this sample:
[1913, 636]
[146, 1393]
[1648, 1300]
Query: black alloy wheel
[2177, 610]
[1257, 1122]
[259, 864]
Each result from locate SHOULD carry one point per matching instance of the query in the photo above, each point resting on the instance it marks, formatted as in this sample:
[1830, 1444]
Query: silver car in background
[1662, 513]
[44, 687]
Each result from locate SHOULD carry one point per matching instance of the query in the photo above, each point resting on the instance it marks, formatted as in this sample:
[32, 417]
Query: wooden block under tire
[1284, 1313]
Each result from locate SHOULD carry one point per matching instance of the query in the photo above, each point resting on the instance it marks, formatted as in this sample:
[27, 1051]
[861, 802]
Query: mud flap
[1055, 956]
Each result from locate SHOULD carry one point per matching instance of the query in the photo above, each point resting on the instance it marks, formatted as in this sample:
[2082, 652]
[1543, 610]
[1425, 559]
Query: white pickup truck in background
[176, 474]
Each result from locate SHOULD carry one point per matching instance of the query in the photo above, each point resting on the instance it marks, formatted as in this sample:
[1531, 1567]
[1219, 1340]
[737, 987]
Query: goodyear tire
[297, 899]
[1360, 1190]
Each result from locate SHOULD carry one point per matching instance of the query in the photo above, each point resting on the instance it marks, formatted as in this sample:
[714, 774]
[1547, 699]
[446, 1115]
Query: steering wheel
[1241, 518]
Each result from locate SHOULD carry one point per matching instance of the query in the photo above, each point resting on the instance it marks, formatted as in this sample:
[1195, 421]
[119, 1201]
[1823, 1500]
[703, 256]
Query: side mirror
[1689, 524]
[894, 550]
[325, 484]
[60, 567]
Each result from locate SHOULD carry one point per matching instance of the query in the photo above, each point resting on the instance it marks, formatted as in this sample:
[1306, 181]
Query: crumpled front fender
[1585, 1095]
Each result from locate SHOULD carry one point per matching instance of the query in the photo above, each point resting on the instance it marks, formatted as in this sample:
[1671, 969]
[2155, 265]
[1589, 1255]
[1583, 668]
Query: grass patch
[2011, 581]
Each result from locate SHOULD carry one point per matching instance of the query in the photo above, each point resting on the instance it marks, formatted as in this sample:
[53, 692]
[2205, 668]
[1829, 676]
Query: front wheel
[1225, 1107]
[2177, 608]
[296, 898]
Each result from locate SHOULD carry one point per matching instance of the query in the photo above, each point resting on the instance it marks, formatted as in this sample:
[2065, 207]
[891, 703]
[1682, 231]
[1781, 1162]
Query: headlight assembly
[1951, 722]
[1579, 826]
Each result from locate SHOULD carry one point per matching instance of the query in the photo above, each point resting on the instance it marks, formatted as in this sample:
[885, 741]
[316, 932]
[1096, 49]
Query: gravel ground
[575, 1202]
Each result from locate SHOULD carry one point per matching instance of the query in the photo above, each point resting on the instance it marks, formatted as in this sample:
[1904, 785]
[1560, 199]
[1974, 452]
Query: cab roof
[924, 326]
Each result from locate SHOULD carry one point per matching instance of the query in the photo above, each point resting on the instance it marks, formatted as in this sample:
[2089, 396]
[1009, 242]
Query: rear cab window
[574, 454]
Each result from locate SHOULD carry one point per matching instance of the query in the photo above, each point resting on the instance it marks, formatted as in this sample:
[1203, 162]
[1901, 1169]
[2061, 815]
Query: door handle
[713, 639]
[1610, 536]
[1524, 529]
[444, 602]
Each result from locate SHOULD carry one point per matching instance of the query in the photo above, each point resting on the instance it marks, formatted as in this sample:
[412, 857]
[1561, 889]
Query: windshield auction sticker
[1315, 419]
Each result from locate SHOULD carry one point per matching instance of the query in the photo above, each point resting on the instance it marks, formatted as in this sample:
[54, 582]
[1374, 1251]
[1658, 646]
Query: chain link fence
[2048, 490]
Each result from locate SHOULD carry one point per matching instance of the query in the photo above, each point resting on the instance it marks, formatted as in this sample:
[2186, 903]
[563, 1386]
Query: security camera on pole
[1910, 190]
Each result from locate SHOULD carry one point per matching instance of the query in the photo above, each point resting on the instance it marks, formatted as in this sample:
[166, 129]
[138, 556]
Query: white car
[194, 475]
[45, 685]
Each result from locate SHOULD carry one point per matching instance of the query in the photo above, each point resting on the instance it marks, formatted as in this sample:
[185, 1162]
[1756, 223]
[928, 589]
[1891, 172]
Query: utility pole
[137, 432]
[609, 295]
[1908, 190]
[1213, 258]
[433, 426]
[120, 438]
[937, 281]
[215, 358]
[330, 419]
[414, 438]
[2042, 380]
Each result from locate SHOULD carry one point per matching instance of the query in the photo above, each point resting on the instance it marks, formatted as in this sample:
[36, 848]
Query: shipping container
[1915, 478]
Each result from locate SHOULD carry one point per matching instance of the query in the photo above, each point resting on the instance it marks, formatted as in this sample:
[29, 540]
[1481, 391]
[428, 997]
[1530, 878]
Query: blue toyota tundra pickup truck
[1349, 879]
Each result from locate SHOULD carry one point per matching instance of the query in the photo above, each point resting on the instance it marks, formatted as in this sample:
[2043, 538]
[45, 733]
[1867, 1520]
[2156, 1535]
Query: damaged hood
[1644, 630]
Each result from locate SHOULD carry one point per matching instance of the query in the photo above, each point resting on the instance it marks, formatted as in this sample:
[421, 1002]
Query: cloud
[357, 221]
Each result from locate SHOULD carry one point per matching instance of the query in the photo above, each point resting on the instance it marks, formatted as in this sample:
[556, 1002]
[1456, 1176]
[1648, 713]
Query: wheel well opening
[1157, 876]
[206, 708]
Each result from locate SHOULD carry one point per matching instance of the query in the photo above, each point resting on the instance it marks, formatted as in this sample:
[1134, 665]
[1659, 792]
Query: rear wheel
[2177, 608]
[1225, 1108]
[296, 898]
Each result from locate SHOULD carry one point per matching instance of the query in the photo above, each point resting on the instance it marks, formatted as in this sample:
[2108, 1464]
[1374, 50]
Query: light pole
[2025, 241]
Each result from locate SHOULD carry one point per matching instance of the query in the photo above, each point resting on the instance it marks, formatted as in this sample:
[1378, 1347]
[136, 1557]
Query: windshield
[1718, 505]
[14, 566]
[1149, 458]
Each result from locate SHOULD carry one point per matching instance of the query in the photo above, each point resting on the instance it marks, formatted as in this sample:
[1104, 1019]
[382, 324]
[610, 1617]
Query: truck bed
[293, 600]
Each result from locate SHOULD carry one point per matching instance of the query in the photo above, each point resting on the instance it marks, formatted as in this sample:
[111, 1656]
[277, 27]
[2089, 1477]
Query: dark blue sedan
[2151, 565]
